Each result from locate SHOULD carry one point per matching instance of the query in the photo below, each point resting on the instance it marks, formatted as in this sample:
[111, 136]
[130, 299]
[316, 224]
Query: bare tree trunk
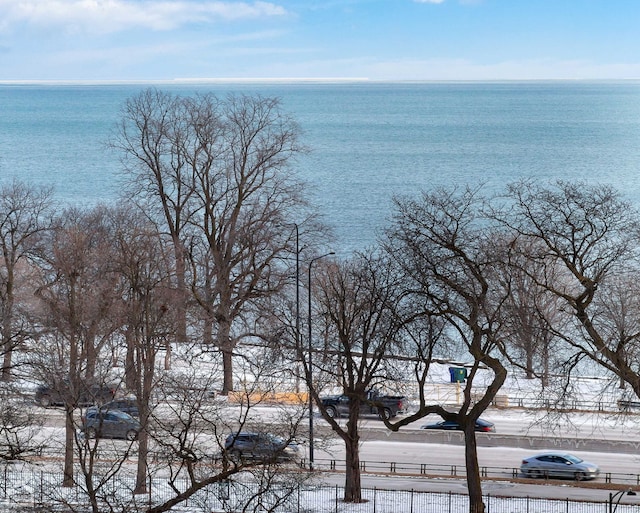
[545, 364]
[6, 361]
[208, 319]
[91, 358]
[474, 483]
[67, 480]
[7, 321]
[181, 318]
[353, 482]
[529, 364]
[130, 369]
[207, 329]
[167, 356]
[143, 451]
[226, 347]
[227, 369]
[144, 399]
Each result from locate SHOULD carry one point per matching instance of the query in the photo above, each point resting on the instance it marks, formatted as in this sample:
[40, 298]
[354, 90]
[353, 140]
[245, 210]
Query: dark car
[260, 446]
[87, 394]
[373, 403]
[559, 464]
[482, 426]
[99, 423]
[125, 405]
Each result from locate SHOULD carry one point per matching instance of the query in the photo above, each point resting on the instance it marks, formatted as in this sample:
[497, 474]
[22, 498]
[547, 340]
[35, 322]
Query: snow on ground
[598, 395]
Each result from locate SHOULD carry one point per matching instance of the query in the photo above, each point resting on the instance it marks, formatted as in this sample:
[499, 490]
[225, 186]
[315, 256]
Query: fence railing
[444, 470]
[423, 469]
[39, 489]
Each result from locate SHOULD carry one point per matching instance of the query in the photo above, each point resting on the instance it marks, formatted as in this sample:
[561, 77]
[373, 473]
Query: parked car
[391, 405]
[482, 426]
[87, 394]
[260, 446]
[100, 423]
[126, 405]
[559, 464]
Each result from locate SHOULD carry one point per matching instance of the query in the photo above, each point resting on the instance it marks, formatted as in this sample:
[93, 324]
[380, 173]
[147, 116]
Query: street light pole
[298, 345]
[618, 495]
[310, 363]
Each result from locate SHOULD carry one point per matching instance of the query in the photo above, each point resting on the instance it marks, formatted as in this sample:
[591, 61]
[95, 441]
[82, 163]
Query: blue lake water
[369, 141]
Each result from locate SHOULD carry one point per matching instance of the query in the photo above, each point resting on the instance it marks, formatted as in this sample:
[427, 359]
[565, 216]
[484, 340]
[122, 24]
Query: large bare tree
[80, 297]
[585, 243]
[24, 215]
[220, 171]
[528, 314]
[244, 197]
[450, 254]
[149, 318]
[154, 134]
[358, 303]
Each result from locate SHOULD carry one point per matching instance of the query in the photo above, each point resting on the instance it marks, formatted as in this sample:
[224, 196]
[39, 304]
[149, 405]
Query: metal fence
[39, 490]
[434, 470]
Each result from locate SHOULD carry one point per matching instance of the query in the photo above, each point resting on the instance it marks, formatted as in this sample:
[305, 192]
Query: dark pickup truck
[337, 405]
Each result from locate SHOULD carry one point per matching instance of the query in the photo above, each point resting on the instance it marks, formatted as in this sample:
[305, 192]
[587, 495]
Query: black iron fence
[39, 490]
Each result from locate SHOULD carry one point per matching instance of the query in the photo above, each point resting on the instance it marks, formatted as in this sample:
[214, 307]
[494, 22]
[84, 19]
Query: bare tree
[358, 308]
[586, 240]
[527, 315]
[19, 426]
[80, 295]
[190, 435]
[155, 132]
[149, 317]
[617, 308]
[23, 217]
[219, 171]
[244, 196]
[450, 253]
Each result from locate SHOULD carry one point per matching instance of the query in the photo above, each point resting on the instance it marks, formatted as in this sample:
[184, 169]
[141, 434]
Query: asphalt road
[612, 443]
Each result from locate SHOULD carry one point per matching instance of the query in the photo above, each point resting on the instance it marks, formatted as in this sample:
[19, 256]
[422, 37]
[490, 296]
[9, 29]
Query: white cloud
[115, 15]
[429, 1]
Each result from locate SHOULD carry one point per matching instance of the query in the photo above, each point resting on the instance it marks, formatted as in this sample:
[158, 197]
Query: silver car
[559, 464]
[109, 424]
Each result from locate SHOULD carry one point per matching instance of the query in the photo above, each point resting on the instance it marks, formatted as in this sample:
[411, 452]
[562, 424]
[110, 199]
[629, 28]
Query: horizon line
[266, 80]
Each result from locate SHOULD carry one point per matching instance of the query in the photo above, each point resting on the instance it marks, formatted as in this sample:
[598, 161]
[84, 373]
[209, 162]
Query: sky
[378, 40]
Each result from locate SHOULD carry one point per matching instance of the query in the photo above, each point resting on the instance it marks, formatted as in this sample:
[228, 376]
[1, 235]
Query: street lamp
[298, 348]
[310, 372]
[618, 495]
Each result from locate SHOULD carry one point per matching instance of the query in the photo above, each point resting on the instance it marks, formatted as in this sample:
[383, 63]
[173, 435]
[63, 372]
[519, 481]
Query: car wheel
[580, 476]
[385, 413]
[332, 413]
[534, 474]
[132, 435]
[91, 432]
[44, 401]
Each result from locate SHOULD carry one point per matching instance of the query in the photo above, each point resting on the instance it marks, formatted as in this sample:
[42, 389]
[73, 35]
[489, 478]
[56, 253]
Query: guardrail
[409, 469]
[459, 471]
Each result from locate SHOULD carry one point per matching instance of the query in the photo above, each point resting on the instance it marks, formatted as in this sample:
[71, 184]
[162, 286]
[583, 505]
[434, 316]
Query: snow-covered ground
[522, 408]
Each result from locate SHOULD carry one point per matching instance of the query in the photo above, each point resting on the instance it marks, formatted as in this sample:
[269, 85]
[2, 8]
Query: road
[612, 443]
[499, 461]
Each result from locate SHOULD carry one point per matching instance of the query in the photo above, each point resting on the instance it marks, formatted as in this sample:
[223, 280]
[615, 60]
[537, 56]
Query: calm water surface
[369, 141]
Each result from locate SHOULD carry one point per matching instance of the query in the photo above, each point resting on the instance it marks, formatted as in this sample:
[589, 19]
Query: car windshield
[572, 458]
